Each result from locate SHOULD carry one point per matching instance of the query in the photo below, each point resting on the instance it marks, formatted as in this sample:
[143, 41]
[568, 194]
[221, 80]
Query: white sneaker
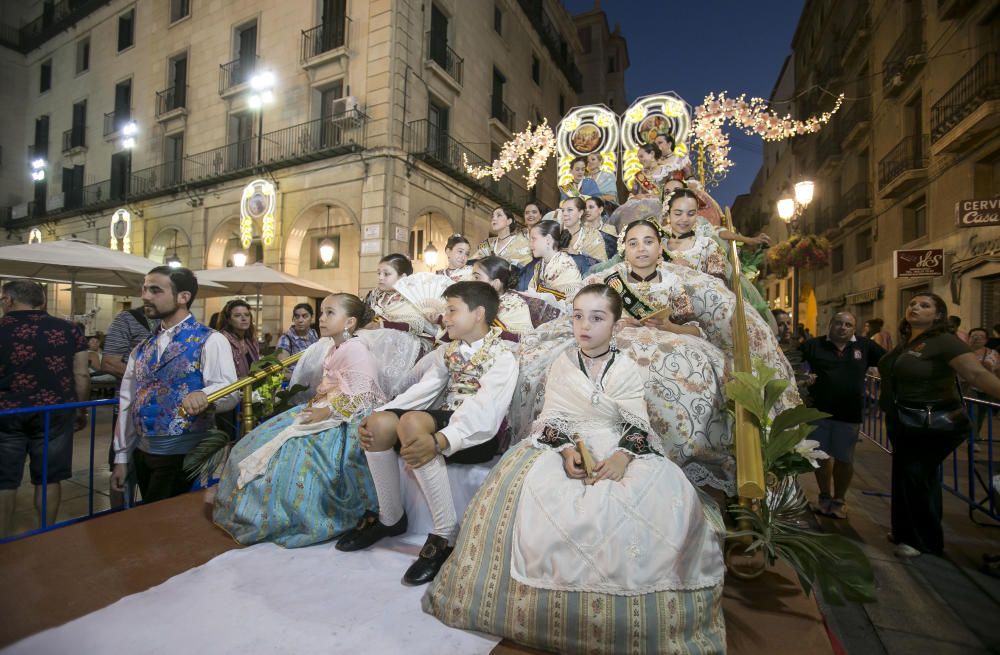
[906, 550]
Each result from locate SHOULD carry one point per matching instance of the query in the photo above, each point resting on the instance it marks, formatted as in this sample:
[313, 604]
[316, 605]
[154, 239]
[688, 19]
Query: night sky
[700, 46]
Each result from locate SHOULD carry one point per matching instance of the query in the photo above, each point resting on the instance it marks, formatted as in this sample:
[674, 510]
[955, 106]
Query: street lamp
[173, 261]
[790, 210]
[129, 131]
[239, 259]
[262, 94]
[430, 255]
[326, 249]
[38, 167]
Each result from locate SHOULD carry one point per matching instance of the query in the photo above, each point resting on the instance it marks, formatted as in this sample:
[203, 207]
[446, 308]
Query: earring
[613, 345]
[346, 334]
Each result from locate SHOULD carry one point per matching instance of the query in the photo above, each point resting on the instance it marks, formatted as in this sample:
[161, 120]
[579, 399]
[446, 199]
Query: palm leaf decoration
[832, 563]
[206, 457]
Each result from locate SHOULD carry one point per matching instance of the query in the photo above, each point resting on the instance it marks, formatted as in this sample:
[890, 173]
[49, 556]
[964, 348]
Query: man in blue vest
[175, 368]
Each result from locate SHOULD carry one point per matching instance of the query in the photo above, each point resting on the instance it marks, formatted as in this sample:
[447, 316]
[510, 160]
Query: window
[437, 129]
[173, 155]
[497, 20]
[915, 220]
[178, 82]
[45, 76]
[123, 106]
[863, 245]
[439, 37]
[72, 186]
[499, 80]
[837, 259]
[82, 55]
[121, 164]
[536, 69]
[179, 9]
[246, 53]
[77, 134]
[126, 30]
[41, 147]
[585, 40]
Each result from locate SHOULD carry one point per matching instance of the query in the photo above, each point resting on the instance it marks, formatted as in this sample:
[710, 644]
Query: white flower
[808, 449]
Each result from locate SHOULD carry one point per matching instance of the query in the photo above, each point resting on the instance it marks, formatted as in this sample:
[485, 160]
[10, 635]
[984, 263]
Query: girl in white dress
[553, 271]
[584, 547]
[508, 243]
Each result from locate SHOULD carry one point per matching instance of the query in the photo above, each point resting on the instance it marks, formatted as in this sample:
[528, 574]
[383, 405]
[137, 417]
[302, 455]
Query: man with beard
[173, 370]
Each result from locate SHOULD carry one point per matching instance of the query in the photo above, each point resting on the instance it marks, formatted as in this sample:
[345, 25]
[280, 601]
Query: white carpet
[266, 599]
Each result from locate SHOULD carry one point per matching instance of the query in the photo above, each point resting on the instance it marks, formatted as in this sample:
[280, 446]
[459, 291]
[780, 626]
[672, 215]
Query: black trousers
[916, 483]
[160, 476]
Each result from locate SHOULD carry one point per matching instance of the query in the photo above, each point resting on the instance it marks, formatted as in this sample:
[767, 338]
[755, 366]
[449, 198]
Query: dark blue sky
[699, 46]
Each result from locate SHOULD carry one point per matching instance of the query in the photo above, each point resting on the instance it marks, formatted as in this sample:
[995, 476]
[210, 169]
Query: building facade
[375, 108]
[603, 60]
[919, 134]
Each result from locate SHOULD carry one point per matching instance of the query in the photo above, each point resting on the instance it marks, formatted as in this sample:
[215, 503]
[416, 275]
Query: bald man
[838, 363]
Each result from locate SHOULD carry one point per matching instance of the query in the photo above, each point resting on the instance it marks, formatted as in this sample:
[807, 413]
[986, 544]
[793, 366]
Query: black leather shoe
[435, 551]
[369, 530]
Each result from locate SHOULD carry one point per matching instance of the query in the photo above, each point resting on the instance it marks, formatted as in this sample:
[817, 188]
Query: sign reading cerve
[918, 263]
[977, 213]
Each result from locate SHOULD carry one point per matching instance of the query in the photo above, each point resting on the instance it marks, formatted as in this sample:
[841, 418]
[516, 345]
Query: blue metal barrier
[970, 473]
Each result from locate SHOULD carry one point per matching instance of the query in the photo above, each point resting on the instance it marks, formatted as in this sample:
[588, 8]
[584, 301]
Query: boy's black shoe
[435, 551]
[369, 530]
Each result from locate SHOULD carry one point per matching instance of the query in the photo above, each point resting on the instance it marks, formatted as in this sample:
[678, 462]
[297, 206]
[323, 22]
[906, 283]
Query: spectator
[838, 362]
[236, 324]
[994, 341]
[953, 326]
[94, 361]
[875, 330]
[990, 360]
[789, 344]
[43, 361]
[925, 418]
[129, 328]
[301, 335]
[163, 399]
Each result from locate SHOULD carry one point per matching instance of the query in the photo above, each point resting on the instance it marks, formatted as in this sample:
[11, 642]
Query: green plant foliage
[204, 458]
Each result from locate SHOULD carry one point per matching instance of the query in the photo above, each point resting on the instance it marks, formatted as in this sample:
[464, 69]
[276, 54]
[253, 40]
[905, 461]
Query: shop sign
[918, 263]
[977, 213]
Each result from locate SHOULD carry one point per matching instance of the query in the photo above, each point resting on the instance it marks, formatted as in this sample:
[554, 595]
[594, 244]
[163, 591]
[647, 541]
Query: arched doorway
[428, 235]
[225, 243]
[331, 224]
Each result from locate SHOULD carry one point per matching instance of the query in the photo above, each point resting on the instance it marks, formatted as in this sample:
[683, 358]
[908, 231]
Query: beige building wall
[377, 195]
[919, 134]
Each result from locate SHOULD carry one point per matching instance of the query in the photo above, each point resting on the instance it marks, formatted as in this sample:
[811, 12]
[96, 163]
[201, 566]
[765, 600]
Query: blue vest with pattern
[161, 383]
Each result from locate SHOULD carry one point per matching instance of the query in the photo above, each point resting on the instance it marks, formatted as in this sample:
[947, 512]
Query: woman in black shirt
[925, 418]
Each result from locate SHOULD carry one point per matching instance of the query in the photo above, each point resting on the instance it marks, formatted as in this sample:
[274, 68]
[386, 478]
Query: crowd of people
[589, 350]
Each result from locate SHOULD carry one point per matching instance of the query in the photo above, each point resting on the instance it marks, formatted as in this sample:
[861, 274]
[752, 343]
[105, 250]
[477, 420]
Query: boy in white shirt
[452, 414]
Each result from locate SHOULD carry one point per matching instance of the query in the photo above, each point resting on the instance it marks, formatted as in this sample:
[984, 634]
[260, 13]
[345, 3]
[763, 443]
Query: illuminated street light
[430, 255]
[239, 259]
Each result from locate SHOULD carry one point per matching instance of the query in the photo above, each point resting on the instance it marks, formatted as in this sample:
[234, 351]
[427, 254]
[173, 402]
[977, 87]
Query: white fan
[423, 291]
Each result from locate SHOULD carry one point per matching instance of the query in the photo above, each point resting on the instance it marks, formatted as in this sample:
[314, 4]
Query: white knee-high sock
[433, 480]
[384, 467]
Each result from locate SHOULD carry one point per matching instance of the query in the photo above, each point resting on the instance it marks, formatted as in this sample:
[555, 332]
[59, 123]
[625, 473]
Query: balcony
[904, 61]
[74, 138]
[325, 42]
[855, 122]
[171, 102]
[904, 167]
[829, 153]
[854, 205]
[115, 120]
[436, 147]
[57, 17]
[953, 9]
[314, 140]
[969, 109]
[444, 62]
[855, 34]
[553, 41]
[234, 74]
[502, 114]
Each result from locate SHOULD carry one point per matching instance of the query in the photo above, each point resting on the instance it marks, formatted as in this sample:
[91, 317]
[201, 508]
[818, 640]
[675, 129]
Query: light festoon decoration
[647, 117]
[529, 149]
[591, 129]
[754, 117]
[35, 235]
[258, 203]
[121, 230]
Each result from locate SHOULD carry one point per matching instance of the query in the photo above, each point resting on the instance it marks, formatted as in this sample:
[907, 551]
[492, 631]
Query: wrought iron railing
[170, 99]
[857, 197]
[860, 111]
[441, 54]
[979, 85]
[325, 37]
[553, 41]
[907, 155]
[74, 138]
[503, 113]
[56, 18]
[435, 146]
[909, 44]
[236, 72]
[115, 120]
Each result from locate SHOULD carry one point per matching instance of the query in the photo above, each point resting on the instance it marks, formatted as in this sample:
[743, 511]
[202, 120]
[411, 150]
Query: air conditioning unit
[19, 211]
[344, 105]
[55, 201]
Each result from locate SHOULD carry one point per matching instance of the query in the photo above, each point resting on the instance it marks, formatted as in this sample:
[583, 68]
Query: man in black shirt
[838, 363]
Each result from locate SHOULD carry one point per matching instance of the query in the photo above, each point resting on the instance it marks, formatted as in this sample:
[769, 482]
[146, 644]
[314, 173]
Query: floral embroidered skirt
[315, 488]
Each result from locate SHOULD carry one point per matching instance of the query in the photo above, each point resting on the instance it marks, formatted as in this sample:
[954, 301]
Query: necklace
[648, 278]
[496, 244]
[598, 356]
[686, 235]
[595, 397]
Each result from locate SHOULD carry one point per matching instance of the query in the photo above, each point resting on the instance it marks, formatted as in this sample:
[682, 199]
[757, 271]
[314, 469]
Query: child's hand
[613, 468]
[628, 321]
[573, 464]
[366, 438]
[315, 414]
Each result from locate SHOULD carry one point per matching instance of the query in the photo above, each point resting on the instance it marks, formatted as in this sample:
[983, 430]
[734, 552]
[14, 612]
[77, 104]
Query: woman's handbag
[947, 416]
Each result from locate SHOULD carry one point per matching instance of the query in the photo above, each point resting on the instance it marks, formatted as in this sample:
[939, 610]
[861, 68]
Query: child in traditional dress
[301, 478]
[452, 414]
[508, 243]
[585, 537]
[457, 251]
[583, 240]
[553, 270]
